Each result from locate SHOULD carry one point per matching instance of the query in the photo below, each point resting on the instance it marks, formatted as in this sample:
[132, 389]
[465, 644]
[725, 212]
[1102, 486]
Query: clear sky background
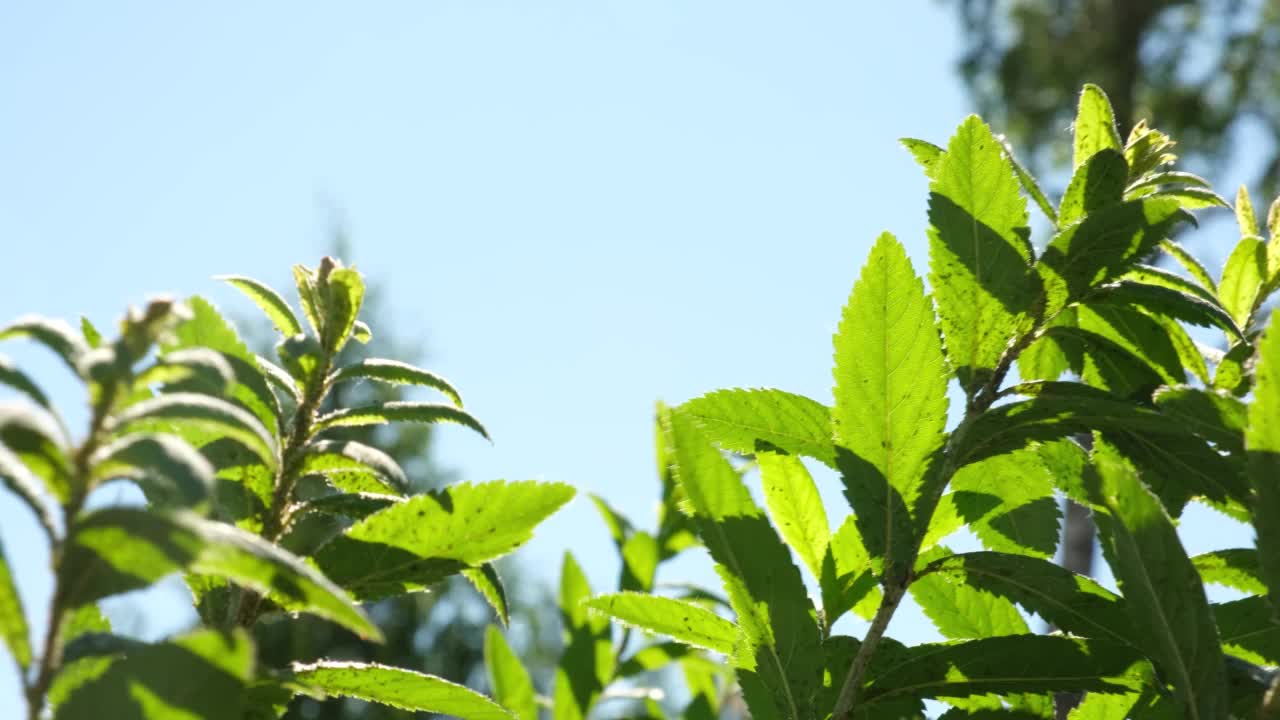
[579, 207]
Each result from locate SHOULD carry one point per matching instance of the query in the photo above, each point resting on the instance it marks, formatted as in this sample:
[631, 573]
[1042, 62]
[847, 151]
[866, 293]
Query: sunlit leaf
[394, 372]
[683, 621]
[742, 419]
[512, 687]
[399, 688]
[270, 302]
[13, 623]
[398, 411]
[1262, 440]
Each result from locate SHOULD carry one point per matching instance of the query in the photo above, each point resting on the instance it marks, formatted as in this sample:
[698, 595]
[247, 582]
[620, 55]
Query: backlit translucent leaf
[13, 623]
[169, 470]
[32, 437]
[1102, 247]
[1097, 183]
[1235, 568]
[1167, 301]
[413, 544]
[926, 154]
[399, 688]
[304, 279]
[512, 687]
[741, 419]
[1245, 216]
[960, 610]
[394, 372]
[115, 550]
[587, 663]
[12, 377]
[274, 306]
[201, 413]
[1242, 279]
[782, 652]
[849, 579]
[345, 296]
[1262, 439]
[1021, 663]
[398, 411]
[1095, 126]
[979, 255]
[795, 507]
[354, 467]
[1072, 603]
[890, 398]
[683, 621]
[55, 335]
[486, 581]
[1213, 415]
[1007, 501]
[202, 674]
[18, 477]
[1168, 612]
[1249, 630]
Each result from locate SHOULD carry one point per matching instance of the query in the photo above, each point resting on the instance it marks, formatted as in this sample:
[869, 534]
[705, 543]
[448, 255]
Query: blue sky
[579, 207]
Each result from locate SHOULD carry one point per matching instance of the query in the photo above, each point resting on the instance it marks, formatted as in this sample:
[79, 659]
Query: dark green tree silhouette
[1201, 69]
[439, 632]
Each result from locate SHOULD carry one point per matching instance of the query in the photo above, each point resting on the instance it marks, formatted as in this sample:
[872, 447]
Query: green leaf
[279, 378]
[357, 505]
[304, 279]
[413, 544]
[1030, 186]
[848, 579]
[399, 688]
[926, 154]
[200, 368]
[300, 356]
[1137, 334]
[1151, 183]
[782, 649]
[1242, 279]
[1166, 301]
[1249, 630]
[1007, 501]
[979, 255]
[1193, 198]
[1190, 264]
[1072, 603]
[13, 623]
[354, 467]
[512, 686]
[1262, 439]
[795, 507]
[202, 414]
[1236, 568]
[683, 621]
[1045, 358]
[619, 526]
[741, 420]
[170, 472]
[1213, 415]
[401, 411]
[1230, 374]
[345, 295]
[202, 674]
[1168, 612]
[486, 581]
[34, 439]
[394, 372]
[269, 301]
[962, 611]
[890, 397]
[361, 333]
[56, 335]
[655, 657]
[1103, 363]
[1095, 126]
[18, 477]
[115, 550]
[1245, 216]
[90, 333]
[586, 666]
[11, 376]
[1016, 664]
[640, 557]
[208, 329]
[1097, 183]
[1102, 247]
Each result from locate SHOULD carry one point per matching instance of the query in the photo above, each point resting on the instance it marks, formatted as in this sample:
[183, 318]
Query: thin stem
[893, 594]
[279, 517]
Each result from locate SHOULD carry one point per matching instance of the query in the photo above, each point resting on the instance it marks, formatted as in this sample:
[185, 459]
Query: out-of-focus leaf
[512, 687]
[398, 411]
[13, 623]
[677, 619]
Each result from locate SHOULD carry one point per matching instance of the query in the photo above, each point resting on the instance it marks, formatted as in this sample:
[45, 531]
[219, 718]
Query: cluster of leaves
[1114, 406]
[249, 496]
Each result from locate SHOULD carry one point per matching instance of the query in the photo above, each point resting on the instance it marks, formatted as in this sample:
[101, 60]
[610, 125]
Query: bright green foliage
[396, 373]
[681, 620]
[1095, 126]
[588, 660]
[746, 421]
[1097, 183]
[979, 256]
[397, 687]
[890, 400]
[1175, 628]
[1262, 438]
[203, 674]
[1242, 278]
[512, 687]
[13, 624]
[795, 507]
[120, 549]
[962, 610]
[261, 515]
